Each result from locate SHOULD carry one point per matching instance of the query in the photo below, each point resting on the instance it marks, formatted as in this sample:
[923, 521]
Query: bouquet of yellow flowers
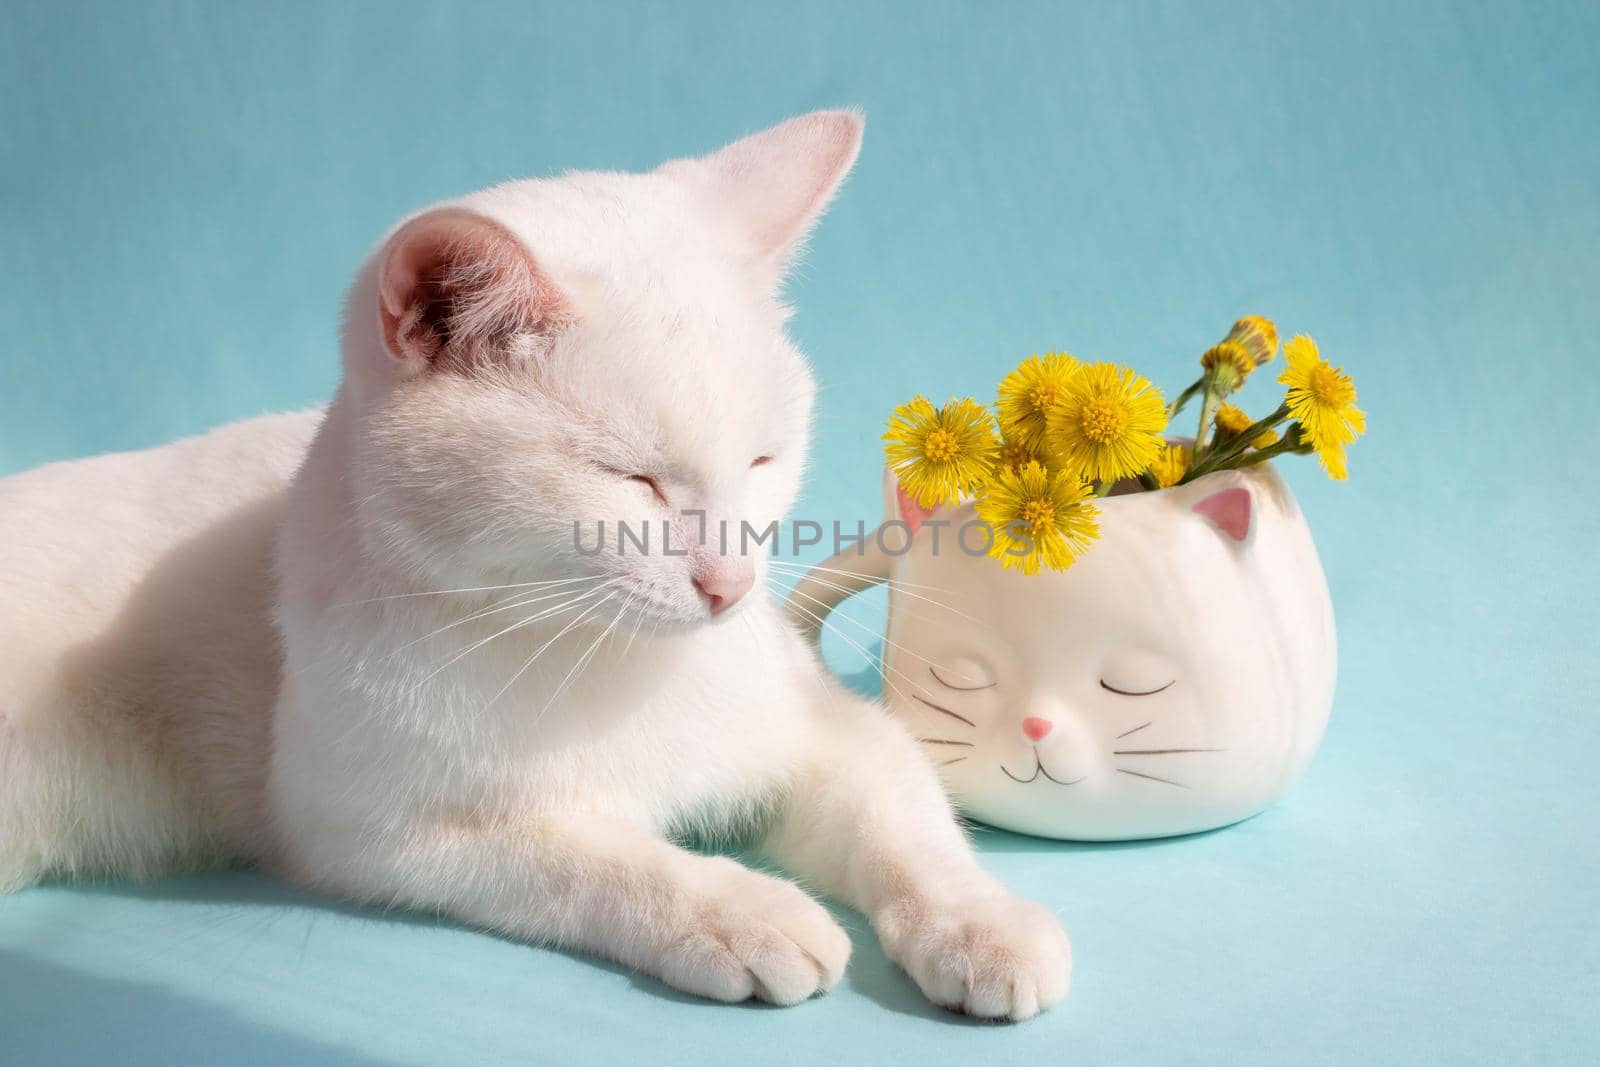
[1063, 432]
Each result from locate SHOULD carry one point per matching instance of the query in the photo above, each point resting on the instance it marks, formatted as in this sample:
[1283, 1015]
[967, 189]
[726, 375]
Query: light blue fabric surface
[186, 188]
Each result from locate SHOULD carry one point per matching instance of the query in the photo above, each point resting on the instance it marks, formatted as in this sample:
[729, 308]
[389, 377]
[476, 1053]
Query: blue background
[185, 189]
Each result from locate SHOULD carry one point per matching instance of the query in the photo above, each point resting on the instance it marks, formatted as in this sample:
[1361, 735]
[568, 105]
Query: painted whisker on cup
[1151, 777]
[947, 711]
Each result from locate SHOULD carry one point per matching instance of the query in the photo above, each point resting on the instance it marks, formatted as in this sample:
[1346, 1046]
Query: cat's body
[139, 663]
[441, 702]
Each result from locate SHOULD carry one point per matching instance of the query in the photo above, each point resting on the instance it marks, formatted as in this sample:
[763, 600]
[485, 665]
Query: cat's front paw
[751, 935]
[993, 956]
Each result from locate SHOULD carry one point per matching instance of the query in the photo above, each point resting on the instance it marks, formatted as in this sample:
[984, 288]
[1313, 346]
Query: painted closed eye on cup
[1137, 673]
[964, 675]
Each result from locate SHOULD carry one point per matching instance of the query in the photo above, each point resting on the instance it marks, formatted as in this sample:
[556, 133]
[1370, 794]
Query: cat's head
[1176, 678]
[592, 348]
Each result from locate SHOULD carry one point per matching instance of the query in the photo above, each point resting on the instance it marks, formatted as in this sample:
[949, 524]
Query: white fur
[164, 703]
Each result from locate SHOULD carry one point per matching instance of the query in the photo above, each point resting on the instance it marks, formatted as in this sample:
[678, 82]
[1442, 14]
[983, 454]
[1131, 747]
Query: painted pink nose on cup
[1036, 728]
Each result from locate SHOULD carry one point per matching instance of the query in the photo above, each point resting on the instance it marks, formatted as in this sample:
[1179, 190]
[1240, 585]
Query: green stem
[1250, 459]
[1235, 445]
[1208, 412]
[1184, 398]
[1290, 442]
[1104, 488]
[1148, 480]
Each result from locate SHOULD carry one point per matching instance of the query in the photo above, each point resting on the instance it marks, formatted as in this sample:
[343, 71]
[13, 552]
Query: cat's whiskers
[520, 600]
[639, 622]
[848, 591]
[868, 581]
[518, 625]
[948, 762]
[465, 589]
[811, 661]
[540, 651]
[583, 660]
[850, 584]
[878, 661]
[377, 709]
[822, 604]
[945, 741]
[1135, 730]
[904, 611]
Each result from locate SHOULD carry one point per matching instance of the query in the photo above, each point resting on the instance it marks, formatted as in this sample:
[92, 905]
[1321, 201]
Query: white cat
[441, 702]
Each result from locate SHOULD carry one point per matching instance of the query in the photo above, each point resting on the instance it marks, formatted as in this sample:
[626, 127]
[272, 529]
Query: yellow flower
[1323, 399]
[941, 453]
[1045, 514]
[1231, 422]
[1257, 336]
[1107, 425]
[1014, 455]
[1170, 467]
[1028, 393]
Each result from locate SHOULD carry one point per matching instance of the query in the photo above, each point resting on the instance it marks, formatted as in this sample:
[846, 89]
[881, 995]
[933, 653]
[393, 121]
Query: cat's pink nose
[1036, 728]
[723, 587]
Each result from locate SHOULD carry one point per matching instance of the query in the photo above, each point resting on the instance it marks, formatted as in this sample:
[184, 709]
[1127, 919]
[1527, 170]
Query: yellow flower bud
[1257, 336]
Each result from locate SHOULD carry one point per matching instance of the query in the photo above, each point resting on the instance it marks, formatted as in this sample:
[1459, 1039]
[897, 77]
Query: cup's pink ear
[455, 287]
[912, 513]
[1230, 510]
[897, 505]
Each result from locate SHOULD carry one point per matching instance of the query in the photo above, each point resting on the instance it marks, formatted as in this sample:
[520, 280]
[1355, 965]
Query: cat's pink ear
[776, 184]
[1231, 511]
[455, 288]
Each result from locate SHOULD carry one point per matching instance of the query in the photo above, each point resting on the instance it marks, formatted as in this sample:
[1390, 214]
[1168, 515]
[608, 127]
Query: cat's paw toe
[756, 936]
[997, 958]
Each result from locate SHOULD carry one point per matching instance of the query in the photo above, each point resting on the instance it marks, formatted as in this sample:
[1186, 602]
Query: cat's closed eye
[640, 479]
[652, 484]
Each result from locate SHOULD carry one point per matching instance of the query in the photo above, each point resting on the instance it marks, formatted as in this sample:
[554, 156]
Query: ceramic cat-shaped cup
[1176, 678]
